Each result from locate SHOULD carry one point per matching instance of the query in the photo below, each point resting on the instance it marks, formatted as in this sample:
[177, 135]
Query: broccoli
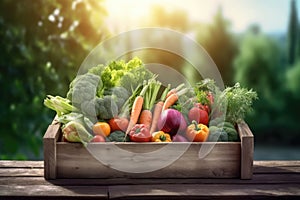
[217, 134]
[120, 96]
[98, 93]
[83, 88]
[97, 70]
[106, 107]
[117, 136]
[134, 77]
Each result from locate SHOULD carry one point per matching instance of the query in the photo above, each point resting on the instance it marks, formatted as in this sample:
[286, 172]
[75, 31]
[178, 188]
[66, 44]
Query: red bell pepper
[140, 133]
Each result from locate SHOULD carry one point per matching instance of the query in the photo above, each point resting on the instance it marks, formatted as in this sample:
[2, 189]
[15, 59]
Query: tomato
[199, 115]
[98, 138]
[210, 97]
[101, 128]
[203, 107]
[118, 124]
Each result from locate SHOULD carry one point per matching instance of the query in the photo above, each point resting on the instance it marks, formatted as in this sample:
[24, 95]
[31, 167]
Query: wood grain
[49, 141]
[42, 191]
[127, 160]
[21, 164]
[247, 150]
[215, 191]
[271, 180]
[74, 161]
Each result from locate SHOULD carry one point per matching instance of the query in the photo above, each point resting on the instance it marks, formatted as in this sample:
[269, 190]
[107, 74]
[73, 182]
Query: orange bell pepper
[197, 132]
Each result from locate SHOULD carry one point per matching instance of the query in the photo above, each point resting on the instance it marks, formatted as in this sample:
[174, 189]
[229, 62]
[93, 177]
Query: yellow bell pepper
[161, 136]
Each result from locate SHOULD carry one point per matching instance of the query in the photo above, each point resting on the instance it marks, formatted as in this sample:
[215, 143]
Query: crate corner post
[49, 141]
[247, 150]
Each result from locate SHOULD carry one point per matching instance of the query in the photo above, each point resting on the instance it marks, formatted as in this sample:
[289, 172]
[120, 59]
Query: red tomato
[199, 115]
[118, 124]
[203, 107]
[98, 138]
[210, 97]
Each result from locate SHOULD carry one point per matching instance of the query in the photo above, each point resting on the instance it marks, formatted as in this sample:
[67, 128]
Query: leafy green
[236, 102]
[134, 77]
[115, 70]
[59, 104]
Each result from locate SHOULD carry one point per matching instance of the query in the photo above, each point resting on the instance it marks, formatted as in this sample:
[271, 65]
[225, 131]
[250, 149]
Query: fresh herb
[236, 102]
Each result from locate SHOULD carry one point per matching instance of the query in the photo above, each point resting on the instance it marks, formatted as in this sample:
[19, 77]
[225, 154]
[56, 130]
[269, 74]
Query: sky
[271, 15]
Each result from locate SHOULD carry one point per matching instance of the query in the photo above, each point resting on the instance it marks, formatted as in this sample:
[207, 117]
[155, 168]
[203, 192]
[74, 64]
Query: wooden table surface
[271, 180]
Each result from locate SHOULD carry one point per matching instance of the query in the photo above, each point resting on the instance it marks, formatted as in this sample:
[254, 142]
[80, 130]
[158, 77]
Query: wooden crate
[225, 160]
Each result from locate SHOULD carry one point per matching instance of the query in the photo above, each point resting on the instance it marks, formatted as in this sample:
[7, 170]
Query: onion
[179, 138]
[171, 121]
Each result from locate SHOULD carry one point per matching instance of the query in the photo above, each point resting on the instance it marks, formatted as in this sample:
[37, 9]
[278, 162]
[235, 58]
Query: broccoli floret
[217, 134]
[97, 70]
[134, 77]
[106, 107]
[119, 95]
[117, 136]
[83, 88]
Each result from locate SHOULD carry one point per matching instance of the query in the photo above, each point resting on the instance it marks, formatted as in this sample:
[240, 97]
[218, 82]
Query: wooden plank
[215, 191]
[42, 191]
[49, 140]
[75, 161]
[21, 172]
[272, 166]
[21, 164]
[275, 167]
[247, 150]
[257, 179]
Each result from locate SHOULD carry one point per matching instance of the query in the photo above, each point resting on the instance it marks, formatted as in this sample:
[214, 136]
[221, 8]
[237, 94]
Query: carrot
[146, 118]
[149, 100]
[156, 115]
[175, 90]
[137, 107]
[158, 109]
[135, 112]
[171, 100]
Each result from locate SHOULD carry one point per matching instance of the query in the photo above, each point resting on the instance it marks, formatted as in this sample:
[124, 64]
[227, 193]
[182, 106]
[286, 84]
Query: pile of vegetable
[124, 102]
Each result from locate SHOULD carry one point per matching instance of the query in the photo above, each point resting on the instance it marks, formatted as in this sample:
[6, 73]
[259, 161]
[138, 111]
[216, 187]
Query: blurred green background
[43, 43]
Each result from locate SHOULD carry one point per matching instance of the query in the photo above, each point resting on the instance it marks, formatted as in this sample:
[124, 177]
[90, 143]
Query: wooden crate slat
[247, 150]
[49, 141]
[73, 160]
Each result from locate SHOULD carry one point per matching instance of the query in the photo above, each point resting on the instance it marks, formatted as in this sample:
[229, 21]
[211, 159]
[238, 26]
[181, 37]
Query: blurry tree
[292, 97]
[258, 66]
[42, 45]
[175, 19]
[293, 33]
[293, 80]
[220, 44]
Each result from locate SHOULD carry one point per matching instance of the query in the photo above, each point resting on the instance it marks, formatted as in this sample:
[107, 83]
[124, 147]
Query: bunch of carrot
[143, 104]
